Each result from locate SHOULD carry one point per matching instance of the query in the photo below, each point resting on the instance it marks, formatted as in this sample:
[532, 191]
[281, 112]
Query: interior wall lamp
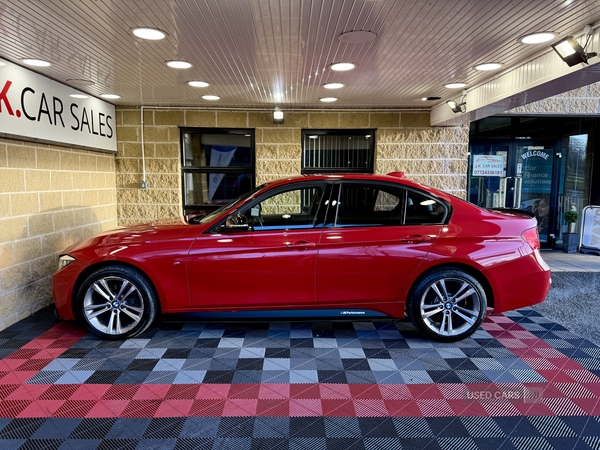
[459, 106]
[571, 52]
[277, 116]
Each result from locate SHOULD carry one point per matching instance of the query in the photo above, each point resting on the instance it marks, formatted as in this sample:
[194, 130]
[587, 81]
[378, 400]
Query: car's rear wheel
[447, 305]
[116, 302]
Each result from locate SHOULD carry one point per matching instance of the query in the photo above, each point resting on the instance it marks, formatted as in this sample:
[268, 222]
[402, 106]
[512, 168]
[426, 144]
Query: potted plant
[571, 239]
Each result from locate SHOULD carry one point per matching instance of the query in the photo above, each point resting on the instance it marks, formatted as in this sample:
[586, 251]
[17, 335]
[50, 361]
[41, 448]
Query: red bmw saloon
[323, 246]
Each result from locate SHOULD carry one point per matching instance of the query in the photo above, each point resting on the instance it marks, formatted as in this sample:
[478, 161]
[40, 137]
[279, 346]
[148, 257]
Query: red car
[325, 246]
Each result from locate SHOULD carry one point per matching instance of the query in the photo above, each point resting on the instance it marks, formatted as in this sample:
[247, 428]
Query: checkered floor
[521, 382]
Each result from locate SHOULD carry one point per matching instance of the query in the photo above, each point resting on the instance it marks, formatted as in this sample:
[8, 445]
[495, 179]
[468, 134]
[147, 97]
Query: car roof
[393, 177]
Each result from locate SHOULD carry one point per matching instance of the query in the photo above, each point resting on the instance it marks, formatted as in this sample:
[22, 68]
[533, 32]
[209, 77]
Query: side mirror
[236, 222]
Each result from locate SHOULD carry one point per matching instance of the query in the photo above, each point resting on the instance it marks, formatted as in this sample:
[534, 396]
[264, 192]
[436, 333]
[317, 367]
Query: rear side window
[375, 205]
[424, 210]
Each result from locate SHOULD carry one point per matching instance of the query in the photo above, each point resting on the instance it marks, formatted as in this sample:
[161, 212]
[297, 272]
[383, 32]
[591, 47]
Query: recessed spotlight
[488, 66]
[357, 37]
[427, 99]
[328, 99]
[537, 38]
[78, 96]
[152, 34]
[333, 85]
[341, 67]
[36, 62]
[80, 82]
[211, 97]
[198, 83]
[110, 96]
[455, 85]
[179, 64]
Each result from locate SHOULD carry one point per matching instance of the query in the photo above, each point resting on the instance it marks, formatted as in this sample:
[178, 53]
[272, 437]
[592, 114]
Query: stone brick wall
[50, 197]
[404, 142]
[578, 102]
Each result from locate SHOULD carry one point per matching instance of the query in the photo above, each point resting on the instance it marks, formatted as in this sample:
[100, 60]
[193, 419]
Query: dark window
[338, 151]
[217, 166]
[288, 209]
[361, 205]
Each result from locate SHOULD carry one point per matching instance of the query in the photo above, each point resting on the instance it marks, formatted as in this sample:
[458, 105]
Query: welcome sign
[35, 107]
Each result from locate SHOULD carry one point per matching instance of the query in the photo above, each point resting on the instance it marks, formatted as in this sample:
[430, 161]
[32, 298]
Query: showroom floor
[521, 382]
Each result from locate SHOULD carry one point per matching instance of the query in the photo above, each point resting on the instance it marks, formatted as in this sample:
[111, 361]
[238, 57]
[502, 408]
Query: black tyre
[116, 302]
[447, 305]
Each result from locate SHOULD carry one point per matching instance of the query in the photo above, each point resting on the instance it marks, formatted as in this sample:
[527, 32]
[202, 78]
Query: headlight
[64, 261]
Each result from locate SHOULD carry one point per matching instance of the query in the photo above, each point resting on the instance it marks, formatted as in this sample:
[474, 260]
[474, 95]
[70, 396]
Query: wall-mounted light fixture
[458, 106]
[571, 52]
[277, 116]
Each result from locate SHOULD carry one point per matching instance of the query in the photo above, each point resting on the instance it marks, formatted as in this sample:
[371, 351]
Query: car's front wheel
[447, 305]
[116, 302]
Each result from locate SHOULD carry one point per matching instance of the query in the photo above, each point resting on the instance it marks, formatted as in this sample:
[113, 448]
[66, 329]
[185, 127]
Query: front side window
[288, 209]
[217, 166]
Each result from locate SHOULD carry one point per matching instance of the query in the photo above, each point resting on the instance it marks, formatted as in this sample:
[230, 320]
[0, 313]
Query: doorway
[517, 174]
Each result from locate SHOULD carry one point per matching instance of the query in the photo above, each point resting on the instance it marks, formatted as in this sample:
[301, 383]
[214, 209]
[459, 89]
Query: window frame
[207, 208]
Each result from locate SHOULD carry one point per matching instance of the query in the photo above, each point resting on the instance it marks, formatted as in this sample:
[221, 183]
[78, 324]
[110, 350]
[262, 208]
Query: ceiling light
[198, 83]
[571, 52]
[78, 96]
[152, 34]
[455, 85]
[341, 67]
[211, 97]
[277, 116]
[36, 62]
[179, 64]
[110, 96]
[80, 82]
[333, 85]
[357, 37]
[537, 38]
[426, 99]
[488, 66]
[328, 99]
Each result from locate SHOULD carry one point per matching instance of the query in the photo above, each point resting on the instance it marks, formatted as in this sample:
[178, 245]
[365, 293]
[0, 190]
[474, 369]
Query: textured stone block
[170, 117]
[82, 180]
[395, 136]
[128, 165]
[12, 180]
[87, 162]
[48, 159]
[131, 150]
[296, 119]
[417, 151]
[290, 151]
[324, 120]
[33, 293]
[89, 198]
[387, 151]
[3, 156]
[107, 197]
[456, 166]
[593, 90]
[554, 105]
[266, 151]
[428, 166]
[38, 180]
[162, 166]
[169, 211]
[83, 216]
[129, 133]
[6, 255]
[200, 118]
[15, 276]
[63, 220]
[280, 136]
[97, 180]
[448, 182]
[262, 119]
[27, 249]
[21, 157]
[130, 117]
[71, 198]
[128, 196]
[69, 161]
[166, 150]
[162, 181]
[155, 134]
[129, 180]
[49, 200]
[230, 119]
[410, 119]
[8, 306]
[4, 206]
[385, 120]
[354, 120]
[579, 92]
[40, 224]
[583, 106]
[105, 163]
[52, 243]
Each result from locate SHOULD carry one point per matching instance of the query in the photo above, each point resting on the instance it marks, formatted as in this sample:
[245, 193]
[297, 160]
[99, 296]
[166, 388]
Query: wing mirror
[236, 222]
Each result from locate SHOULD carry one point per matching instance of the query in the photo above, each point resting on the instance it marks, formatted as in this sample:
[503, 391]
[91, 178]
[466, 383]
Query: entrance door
[516, 175]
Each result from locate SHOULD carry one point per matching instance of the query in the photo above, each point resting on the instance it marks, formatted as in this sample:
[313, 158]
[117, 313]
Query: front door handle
[301, 245]
[416, 238]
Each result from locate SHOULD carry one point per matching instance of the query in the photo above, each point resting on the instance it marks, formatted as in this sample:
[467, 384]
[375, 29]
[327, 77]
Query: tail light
[531, 237]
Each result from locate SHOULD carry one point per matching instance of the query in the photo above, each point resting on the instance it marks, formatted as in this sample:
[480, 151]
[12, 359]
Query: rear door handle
[416, 238]
[301, 245]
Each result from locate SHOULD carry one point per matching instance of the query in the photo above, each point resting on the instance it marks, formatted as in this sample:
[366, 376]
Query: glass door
[516, 175]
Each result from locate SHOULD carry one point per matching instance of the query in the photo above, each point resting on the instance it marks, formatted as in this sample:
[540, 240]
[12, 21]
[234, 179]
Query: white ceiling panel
[262, 53]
